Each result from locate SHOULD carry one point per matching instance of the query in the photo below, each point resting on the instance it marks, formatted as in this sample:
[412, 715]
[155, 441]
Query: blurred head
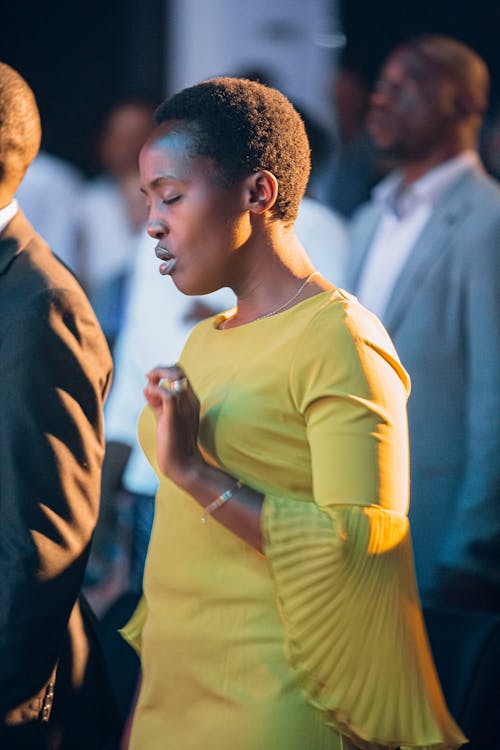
[351, 99]
[20, 131]
[431, 95]
[126, 127]
[229, 158]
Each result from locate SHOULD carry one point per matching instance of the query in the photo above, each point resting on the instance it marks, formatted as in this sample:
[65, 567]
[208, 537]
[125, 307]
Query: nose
[384, 94]
[378, 99]
[155, 227]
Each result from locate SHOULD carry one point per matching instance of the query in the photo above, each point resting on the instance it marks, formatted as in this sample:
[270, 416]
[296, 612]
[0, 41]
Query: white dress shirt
[324, 235]
[7, 213]
[406, 211]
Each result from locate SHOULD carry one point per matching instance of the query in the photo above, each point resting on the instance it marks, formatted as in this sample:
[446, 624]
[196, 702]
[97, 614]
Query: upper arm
[352, 392]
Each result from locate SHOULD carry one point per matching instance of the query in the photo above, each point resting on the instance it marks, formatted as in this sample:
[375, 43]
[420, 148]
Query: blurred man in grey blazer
[425, 257]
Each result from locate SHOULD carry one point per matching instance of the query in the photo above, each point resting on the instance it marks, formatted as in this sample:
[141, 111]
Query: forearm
[240, 514]
[176, 410]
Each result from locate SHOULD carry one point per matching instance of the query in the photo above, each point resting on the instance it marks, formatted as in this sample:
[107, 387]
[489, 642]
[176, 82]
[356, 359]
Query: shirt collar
[401, 200]
[7, 213]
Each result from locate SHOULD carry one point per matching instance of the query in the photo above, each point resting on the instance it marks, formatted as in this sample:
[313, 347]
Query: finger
[169, 372]
[171, 378]
[154, 400]
[174, 387]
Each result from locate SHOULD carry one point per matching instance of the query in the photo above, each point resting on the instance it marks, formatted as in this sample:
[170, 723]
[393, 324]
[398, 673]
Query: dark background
[79, 57]
[374, 27]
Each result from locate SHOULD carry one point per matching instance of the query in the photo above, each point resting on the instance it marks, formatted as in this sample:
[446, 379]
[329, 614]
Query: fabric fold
[354, 631]
[132, 631]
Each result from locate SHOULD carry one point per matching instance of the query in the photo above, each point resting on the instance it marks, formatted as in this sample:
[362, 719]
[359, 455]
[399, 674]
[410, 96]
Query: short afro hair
[20, 129]
[245, 127]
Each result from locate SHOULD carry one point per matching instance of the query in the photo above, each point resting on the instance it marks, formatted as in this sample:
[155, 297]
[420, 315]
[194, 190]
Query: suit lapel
[435, 239]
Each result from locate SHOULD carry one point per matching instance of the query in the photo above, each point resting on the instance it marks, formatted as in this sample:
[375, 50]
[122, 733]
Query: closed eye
[169, 201]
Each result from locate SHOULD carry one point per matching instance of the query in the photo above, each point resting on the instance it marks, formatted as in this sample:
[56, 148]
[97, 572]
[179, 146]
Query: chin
[195, 287]
[390, 149]
[385, 140]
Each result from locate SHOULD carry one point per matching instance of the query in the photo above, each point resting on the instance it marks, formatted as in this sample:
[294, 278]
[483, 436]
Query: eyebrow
[159, 180]
[164, 178]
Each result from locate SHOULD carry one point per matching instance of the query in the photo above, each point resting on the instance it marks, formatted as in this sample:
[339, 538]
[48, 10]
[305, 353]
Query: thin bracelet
[215, 504]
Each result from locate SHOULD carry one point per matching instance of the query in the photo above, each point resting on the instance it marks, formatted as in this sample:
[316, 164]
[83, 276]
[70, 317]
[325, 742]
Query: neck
[412, 170]
[269, 275]
[6, 197]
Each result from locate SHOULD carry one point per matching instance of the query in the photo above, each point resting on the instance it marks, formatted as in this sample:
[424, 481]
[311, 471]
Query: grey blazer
[444, 318]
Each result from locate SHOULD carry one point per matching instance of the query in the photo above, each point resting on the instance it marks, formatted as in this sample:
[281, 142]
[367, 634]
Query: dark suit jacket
[55, 369]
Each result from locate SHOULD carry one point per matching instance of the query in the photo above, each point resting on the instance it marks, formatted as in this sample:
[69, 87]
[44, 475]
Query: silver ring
[174, 386]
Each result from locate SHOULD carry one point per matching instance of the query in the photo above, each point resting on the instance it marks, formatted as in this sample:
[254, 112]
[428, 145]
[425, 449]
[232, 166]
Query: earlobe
[262, 191]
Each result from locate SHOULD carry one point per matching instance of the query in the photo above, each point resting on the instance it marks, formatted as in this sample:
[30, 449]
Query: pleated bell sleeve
[342, 563]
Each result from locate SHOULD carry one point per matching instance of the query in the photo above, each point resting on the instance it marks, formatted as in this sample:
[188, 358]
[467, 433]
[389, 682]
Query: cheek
[238, 230]
[409, 103]
[416, 119]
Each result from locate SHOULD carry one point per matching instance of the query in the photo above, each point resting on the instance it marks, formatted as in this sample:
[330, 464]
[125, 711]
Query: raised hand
[177, 412]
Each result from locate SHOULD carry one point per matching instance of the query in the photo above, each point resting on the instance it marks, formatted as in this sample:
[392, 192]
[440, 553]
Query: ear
[261, 191]
[465, 105]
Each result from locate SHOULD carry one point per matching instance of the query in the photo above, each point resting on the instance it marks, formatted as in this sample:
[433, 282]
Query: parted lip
[162, 253]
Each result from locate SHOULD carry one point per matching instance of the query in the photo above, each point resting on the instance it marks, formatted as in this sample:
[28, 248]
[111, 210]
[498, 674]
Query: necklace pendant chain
[285, 304]
[292, 298]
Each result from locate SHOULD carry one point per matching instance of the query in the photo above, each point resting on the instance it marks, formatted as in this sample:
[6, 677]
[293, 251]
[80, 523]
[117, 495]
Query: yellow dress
[322, 635]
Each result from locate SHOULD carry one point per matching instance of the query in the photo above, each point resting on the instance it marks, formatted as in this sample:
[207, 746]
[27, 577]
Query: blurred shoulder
[486, 192]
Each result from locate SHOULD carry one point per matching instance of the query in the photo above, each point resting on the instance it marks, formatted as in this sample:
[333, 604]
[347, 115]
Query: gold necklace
[281, 307]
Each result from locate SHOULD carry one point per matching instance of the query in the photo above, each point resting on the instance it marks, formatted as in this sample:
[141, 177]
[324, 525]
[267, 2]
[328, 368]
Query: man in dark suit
[425, 256]
[55, 369]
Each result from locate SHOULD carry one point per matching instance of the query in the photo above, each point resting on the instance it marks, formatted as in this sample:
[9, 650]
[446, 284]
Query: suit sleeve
[474, 537]
[56, 370]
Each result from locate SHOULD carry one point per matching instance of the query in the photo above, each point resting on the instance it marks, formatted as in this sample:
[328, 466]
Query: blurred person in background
[425, 257]
[319, 228]
[112, 212]
[49, 196]
[490, 143]
[354, 168]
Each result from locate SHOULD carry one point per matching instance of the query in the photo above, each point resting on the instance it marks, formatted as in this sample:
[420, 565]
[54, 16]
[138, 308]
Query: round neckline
[218, 319]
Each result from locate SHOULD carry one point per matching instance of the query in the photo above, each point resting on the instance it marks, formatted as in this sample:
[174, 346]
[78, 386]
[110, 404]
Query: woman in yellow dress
[280, 610]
